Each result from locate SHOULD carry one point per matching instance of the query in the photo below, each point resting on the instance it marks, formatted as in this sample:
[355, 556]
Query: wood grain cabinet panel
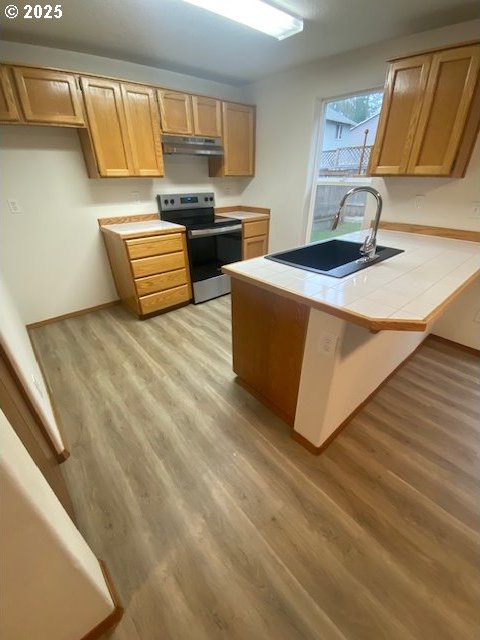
[403, 96]
[151, 273]
[430, 114]
[158, 264]
[254, 238]
[8, 107]
[143, 129]
[255, 247]
[106, 118]
[164, 299]
[50, 97]
[176, 112]
[155, 245]
[450, 90]
[238, 142]
[161, 281]
[207, 117]
[255, 228]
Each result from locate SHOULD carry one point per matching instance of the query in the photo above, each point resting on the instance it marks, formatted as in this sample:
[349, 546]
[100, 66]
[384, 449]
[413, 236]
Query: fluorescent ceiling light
[255, 14]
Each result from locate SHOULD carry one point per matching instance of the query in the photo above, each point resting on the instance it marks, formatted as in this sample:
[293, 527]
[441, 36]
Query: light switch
[14, 206]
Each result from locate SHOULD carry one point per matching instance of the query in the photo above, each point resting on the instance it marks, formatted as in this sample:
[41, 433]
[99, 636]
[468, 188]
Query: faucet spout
[369, 246]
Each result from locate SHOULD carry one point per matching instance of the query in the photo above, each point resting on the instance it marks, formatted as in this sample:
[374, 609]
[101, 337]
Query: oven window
[209, 254]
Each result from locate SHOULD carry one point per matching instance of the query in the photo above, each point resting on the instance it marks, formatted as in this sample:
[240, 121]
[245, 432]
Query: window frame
[318, 135]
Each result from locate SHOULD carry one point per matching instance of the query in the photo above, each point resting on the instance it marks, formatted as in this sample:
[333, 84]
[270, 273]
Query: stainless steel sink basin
[337, 258]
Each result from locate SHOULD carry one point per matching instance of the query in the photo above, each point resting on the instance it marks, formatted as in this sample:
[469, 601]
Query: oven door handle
[197, 233]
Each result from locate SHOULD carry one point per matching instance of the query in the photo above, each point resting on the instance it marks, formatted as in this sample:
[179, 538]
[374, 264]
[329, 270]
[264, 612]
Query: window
[348, 130]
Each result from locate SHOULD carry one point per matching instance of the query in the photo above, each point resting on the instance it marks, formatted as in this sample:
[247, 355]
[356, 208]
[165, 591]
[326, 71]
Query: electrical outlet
[328, 343]
[419, 200]
[14, 206]
[136, 196]
[477, 317]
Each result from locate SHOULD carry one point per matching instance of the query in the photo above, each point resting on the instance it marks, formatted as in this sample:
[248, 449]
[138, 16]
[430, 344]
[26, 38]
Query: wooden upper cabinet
[8, 106]
[176, 112]
[402, 103]
[143, 129]
[49, 97]
[207, 117]
[238, 142]
[108, 130]
[430, 114]
[450, 90]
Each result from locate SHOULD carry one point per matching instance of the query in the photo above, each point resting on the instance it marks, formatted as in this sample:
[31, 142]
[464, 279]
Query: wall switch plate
[14, 206]
[38, 386]
[475, 210]
[419, 200]
[476, 317]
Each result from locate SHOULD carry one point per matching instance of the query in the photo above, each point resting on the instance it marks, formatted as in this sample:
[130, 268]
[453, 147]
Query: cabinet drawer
[164, 299]
[161, 281]
[154, 245]
[158, 264]
[257, 228]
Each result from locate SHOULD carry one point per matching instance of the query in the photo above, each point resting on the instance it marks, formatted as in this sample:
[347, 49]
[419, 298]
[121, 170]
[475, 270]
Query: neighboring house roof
[337, 116]
[375, 115]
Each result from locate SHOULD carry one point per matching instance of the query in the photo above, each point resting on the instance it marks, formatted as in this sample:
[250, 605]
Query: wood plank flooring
[215, 524]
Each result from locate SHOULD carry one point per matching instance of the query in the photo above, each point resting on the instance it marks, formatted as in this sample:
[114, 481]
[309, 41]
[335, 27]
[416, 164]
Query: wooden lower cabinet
[255, 239]
[151, 273]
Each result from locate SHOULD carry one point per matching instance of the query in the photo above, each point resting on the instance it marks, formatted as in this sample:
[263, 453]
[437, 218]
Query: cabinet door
[254, 247]
[401, 107]
[143, 127]
[207, 117]
[103, 100]
[238, 139]
[450, 89]
[49, 97]
[8, 106]
[176, 112]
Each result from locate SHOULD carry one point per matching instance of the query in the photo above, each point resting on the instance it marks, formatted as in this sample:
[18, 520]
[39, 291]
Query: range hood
[190, 146]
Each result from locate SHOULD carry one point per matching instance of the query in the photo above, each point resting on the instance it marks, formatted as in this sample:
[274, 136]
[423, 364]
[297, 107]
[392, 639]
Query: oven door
[208, 250]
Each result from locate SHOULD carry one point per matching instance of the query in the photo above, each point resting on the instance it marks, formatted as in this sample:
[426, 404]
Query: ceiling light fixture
[255, 14]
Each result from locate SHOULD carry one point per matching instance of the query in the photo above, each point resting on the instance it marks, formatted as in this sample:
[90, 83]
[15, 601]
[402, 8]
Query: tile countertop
[243, 215]
[144, 228]
[405, 292]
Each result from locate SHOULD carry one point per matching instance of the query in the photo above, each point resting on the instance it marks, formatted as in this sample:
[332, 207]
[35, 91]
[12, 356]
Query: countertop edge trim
[373, 324]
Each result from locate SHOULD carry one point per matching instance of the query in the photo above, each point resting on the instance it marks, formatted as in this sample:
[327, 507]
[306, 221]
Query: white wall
[51, 583]
[52, 255]
[16, 343]
[288, 110]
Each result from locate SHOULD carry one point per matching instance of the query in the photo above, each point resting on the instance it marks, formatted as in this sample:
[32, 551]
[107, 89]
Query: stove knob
[206, 199]
[165, 202]
[211, 199]
[172, 201]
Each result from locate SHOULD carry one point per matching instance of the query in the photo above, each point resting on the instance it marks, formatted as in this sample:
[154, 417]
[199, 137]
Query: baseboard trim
[114, 618]
[456, 345]
[72, 314]
[318, 450]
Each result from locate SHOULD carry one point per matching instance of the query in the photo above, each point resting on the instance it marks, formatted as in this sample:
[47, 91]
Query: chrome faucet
[369, 246]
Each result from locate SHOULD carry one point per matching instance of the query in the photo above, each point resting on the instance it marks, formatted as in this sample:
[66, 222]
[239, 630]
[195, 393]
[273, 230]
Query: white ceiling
[174, 35]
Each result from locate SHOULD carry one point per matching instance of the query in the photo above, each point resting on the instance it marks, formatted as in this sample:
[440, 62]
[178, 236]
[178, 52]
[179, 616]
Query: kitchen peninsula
[314, 348]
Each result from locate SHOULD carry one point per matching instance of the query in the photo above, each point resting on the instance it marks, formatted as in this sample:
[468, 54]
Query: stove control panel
[179, 201]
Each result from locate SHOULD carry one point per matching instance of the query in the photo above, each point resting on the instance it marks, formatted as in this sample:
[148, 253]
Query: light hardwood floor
[216, 525]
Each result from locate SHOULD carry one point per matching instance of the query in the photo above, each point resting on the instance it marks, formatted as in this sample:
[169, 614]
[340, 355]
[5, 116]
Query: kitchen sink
[336, 258]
